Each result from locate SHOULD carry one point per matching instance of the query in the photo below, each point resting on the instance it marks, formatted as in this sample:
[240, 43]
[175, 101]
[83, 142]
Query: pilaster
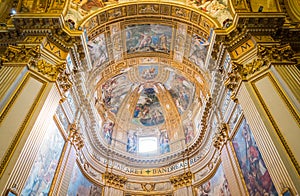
[221, 141]
[26, 127]
[68, 158]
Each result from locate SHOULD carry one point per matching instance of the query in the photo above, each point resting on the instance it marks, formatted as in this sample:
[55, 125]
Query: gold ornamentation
[148, 9]
[75, 137]
[266, 55]
[20, 54]
[114, 180]
[276, 53]
[47, 69]
[148, 186]
[233, 80]
[250, 68]
[182, 180]
[221, 136]
[64, 81]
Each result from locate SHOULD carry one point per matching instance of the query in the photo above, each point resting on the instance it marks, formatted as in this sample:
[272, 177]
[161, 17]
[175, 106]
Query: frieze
[133, 186]
[247, 25]
[152, 171]
[20, 54]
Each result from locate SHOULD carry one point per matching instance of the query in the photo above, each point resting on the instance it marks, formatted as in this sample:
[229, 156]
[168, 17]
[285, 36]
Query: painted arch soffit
[211, 14]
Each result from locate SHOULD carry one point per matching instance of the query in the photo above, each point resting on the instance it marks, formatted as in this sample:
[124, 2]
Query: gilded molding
[114, 180]
[221, 136]
[75, 137]
[182, 180]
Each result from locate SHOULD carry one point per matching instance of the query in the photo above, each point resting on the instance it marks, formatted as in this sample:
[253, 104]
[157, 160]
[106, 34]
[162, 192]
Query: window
[147, 144]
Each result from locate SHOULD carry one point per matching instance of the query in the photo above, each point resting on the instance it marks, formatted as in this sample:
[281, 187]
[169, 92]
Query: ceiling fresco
[138, 97]
[148, 38]
[124, 41]
[181, 90]
[98, 50]
[148, 110]
[150, 78]
[114, 91]
[218, 9]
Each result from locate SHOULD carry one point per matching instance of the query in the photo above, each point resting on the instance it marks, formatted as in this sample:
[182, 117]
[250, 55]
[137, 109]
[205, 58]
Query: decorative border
[9, 152]
[208, 177]
[63, 158]
[273, 122]
[235, 159]
[166, 10]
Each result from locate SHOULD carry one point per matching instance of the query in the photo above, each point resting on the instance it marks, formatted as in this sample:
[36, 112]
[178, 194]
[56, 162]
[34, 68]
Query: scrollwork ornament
[148, 186]
[64, 81]
[47, 69]
[182, 180]
[221, 136]
[114, 180]
[233, 80]
[276, 53]
[75, 137]
[20, 54]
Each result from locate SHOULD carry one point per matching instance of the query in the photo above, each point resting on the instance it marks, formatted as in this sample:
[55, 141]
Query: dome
[149, 85]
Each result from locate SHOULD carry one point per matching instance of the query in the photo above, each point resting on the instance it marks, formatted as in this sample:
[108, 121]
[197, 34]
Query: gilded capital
[114, 180]
[275, 53]
[182, 180]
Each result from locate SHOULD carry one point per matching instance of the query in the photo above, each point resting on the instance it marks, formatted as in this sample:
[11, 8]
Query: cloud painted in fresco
[148, 38]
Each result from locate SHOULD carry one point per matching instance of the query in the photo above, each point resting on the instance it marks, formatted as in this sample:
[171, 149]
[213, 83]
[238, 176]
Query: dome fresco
[152, 81]
[148, 111]
[113, 92]
[146, 83]
[181, 89]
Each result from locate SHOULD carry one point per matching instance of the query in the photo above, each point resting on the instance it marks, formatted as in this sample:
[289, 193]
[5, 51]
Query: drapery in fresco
[255, 173]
